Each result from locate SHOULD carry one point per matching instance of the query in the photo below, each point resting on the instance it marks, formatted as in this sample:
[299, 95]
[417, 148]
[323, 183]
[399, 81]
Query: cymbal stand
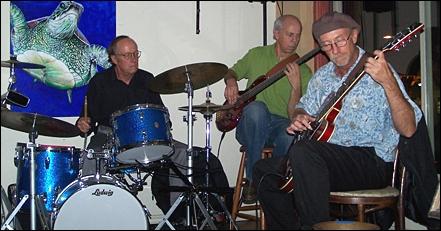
[190, 194]
[11, 79]
[189, 90]
[31, 145]
[6, 225]
[33, 134]
[207, 117]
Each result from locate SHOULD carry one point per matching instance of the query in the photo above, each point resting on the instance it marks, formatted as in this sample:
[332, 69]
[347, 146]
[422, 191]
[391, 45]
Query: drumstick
[85, 116]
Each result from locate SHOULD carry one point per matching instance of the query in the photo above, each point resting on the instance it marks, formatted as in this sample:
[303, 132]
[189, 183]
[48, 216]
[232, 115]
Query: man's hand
[84, 124]
[300, 122]
[231, 92]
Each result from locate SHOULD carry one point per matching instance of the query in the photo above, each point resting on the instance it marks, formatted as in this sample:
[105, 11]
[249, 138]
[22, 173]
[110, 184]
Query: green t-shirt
[257, 62]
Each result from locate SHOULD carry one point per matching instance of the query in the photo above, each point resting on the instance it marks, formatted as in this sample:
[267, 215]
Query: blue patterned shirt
[365, 118]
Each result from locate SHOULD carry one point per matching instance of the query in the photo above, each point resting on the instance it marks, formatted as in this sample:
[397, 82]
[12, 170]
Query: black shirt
[106, 95]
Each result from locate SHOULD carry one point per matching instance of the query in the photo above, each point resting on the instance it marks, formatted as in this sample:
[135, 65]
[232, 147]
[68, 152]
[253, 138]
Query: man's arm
[293, 73]
[231, 92]
[403, 115]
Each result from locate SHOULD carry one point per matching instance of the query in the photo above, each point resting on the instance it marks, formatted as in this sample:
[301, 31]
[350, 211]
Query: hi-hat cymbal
[18, 64]
[201, 75]
[44, 125]
[206, 108]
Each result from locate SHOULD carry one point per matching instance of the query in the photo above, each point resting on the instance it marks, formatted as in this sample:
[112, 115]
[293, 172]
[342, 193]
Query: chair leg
[238, 188]
[399, 218]
[360, 208]
[262, 219]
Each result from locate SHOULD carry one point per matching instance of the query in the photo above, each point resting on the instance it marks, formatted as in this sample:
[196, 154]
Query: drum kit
[64, 198]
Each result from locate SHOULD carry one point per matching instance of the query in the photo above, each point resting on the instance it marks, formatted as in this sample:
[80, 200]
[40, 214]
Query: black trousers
[318, 168]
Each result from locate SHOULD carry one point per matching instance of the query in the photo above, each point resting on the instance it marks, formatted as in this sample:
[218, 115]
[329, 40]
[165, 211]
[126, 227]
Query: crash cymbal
[205, 108]
[201, 75]
[18, 64]
[44, 125]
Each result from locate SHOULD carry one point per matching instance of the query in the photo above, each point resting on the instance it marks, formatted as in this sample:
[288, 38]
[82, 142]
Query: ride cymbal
[46, 126]
[201, 75]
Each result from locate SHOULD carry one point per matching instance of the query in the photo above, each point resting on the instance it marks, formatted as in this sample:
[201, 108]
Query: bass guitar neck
[229, 115]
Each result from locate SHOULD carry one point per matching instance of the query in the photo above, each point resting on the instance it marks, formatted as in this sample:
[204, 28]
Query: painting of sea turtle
[56, 42]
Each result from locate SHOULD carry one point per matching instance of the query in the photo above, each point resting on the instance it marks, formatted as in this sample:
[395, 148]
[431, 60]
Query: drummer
[116, 88]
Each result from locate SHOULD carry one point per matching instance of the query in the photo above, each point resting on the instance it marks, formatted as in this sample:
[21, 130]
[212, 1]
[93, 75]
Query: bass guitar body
[227, 120]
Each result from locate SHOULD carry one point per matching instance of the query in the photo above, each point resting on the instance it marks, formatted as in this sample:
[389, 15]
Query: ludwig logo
[103, 193]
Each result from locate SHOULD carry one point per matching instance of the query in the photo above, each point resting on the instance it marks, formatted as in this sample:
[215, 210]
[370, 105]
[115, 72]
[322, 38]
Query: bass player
[264, 120]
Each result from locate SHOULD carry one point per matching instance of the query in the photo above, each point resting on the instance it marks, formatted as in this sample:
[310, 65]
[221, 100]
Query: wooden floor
[242, 225]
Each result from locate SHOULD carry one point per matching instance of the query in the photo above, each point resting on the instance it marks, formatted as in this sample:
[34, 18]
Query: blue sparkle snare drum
[142, 134]
[56, 167]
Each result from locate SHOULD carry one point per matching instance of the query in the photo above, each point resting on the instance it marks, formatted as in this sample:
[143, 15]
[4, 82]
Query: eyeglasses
[339, 43]
[133, 55]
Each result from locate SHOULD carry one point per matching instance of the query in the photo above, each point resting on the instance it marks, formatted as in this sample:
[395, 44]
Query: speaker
[378, 6]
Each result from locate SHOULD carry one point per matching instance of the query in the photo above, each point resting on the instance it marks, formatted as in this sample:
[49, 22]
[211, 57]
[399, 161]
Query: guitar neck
[272, 78]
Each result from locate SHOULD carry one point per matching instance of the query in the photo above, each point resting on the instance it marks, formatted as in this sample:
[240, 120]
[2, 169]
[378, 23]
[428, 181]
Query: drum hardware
[183, 75]
[191, 192]
[42, 212]
[30, 146]
[85, 116]
[12, 96]
[208, 109]
[6, 225]
[138, 183]
[192, 77]
[91, 154]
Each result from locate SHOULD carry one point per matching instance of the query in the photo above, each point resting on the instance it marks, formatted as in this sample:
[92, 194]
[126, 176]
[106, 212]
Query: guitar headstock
[404, 36]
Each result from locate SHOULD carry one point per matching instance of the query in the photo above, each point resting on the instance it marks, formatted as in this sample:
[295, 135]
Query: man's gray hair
[278, 24]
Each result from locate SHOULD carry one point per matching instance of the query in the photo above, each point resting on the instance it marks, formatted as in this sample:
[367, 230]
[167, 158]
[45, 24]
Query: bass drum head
[99, 206]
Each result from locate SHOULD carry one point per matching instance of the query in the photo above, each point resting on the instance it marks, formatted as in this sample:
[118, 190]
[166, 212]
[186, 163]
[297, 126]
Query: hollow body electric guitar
[323, 126]
[227, 117]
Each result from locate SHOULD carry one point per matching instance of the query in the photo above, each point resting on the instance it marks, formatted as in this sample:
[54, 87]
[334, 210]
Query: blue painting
[69, 39]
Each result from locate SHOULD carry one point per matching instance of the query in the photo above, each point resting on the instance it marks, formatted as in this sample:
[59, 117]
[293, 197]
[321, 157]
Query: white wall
[166, 35]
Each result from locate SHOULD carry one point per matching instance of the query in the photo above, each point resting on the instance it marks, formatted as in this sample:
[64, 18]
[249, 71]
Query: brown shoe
[249, 195]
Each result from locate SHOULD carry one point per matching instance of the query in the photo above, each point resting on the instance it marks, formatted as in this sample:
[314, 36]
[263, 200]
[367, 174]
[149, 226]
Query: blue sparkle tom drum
[56, 167]
[142, 133]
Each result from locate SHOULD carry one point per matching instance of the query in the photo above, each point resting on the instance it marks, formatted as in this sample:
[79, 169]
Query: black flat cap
[333, 21]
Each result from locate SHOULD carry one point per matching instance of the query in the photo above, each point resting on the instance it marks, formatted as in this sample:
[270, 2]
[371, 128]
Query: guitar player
[359, 151]
[264, 120]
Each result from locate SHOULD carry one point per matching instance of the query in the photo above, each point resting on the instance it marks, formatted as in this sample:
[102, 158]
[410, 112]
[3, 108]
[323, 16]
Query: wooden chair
[368, 201]
[240, 182]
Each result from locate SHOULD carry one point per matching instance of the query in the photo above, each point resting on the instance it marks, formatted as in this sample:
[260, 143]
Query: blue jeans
[258, 128]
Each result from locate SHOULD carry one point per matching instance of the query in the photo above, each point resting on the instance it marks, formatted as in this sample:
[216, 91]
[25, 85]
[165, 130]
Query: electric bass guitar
[323, 126]
[227, 117]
